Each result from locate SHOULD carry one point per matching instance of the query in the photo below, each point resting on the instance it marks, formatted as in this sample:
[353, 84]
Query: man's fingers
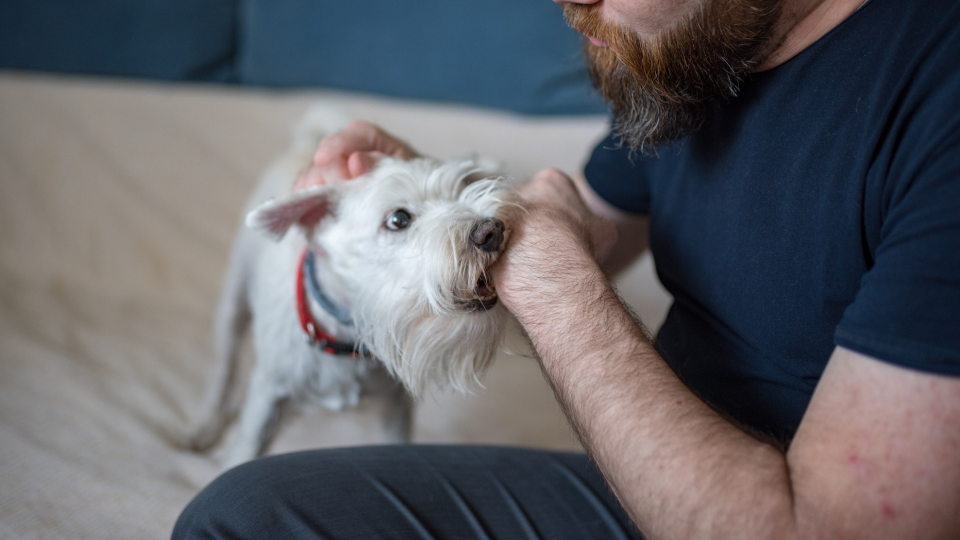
[551, 188]
[351, 153]
[380, 141]
[603, 237]
[311, 176]
[360, 163]
[359, 136]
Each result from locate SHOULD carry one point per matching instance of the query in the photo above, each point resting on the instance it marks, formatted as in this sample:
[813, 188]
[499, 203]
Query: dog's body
[399, 258]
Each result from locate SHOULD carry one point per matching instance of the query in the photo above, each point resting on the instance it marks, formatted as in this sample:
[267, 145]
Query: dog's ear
[305, 208]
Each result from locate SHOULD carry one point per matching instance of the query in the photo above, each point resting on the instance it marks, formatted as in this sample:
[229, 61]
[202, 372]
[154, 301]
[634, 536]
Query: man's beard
[658, 89]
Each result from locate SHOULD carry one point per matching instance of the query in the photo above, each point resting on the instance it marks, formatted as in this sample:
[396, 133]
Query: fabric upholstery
[159, 39]
[517, 55]
[512, 54]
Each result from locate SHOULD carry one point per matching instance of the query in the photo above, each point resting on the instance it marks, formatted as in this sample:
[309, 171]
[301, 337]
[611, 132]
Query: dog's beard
[419, 326]
[658, 89]
[422, 331]
[421, 349]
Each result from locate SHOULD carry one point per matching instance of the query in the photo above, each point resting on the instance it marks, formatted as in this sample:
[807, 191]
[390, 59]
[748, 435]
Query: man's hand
[351, 153]
[557, 224]
[874, 457]
[555, 196]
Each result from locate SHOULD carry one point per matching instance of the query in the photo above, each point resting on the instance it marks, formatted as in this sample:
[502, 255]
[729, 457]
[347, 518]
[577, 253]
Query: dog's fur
[412, 293]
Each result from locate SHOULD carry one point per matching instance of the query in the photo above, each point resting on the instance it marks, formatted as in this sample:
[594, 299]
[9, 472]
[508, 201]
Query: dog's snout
[488, 234]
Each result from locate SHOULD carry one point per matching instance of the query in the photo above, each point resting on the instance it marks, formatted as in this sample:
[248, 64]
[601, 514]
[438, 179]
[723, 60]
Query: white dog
[370, 287]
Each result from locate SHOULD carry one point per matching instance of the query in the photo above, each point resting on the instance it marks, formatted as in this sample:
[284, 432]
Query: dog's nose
[488, 234]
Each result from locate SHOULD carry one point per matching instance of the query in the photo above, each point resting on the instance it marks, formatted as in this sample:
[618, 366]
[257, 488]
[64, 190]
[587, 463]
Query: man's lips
[597, 42]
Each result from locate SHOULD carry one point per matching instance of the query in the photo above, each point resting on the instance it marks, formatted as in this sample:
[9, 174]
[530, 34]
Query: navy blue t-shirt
[820, 207]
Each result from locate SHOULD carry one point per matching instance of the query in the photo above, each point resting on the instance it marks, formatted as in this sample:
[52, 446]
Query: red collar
[313, 331]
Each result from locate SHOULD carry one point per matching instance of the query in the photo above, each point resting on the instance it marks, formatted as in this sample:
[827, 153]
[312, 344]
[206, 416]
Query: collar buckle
[311, 333]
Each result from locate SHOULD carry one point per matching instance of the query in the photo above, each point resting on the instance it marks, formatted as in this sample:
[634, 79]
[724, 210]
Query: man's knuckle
[358, 125]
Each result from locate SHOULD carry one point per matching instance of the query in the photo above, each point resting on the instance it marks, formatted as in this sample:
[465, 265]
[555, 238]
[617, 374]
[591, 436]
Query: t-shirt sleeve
[616, 178]
[907, 311]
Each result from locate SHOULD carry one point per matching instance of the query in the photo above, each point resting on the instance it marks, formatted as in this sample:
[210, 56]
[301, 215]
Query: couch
[124, 164]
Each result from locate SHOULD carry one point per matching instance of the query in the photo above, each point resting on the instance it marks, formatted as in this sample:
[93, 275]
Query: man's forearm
[874, 456]
[680, 470]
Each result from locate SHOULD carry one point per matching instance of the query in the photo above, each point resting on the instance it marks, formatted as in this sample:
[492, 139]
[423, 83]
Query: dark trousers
[409, 491]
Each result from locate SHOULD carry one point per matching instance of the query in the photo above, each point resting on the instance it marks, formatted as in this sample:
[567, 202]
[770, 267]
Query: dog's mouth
[484, 295]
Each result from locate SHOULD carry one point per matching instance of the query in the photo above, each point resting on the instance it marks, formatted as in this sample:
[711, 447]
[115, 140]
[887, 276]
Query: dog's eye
[399, 219]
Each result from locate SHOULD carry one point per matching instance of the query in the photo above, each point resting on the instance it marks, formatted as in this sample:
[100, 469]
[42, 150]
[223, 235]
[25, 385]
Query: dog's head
[407, 247]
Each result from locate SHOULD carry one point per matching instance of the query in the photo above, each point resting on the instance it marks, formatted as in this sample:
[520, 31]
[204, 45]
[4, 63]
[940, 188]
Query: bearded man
[794, 167]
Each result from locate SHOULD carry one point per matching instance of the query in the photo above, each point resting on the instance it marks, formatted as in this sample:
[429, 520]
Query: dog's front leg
[259, 419]
[397, 416]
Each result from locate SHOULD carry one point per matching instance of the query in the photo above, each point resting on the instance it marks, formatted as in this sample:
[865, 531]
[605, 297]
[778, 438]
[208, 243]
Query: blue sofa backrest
[510, 54]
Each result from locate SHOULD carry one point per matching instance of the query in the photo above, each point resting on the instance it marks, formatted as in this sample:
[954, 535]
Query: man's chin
[644, 117]
[659, 91]
[645, 128]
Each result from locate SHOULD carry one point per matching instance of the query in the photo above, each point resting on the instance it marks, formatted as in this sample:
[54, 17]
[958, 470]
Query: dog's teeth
[485, 297]
[490, 292]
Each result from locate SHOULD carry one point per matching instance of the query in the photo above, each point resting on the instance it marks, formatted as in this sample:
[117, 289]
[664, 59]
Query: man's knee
[255, 498]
